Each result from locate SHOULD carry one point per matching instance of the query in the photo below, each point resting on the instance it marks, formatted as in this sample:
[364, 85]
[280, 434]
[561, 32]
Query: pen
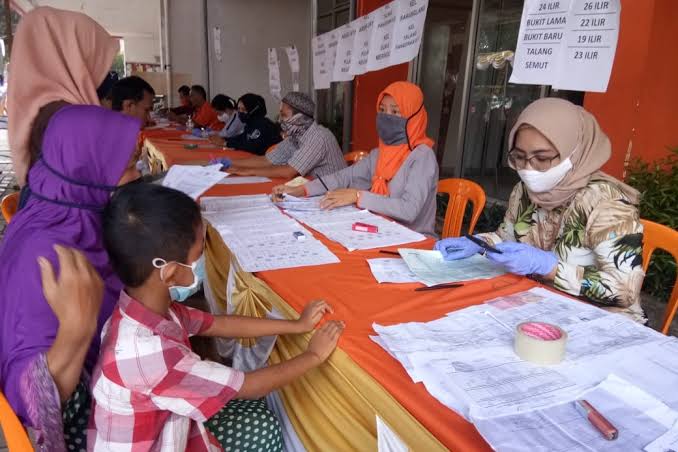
[392, 253]
[596, 419]
[439, 286]
[451, 249]
[483, 244]
[323, 182]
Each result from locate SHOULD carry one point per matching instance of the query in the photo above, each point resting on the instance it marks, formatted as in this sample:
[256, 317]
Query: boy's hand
[313, 312]
[324, 341]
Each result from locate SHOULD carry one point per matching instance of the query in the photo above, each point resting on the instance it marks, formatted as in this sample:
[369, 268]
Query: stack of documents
[336, 225]
[261, 236]
[194, 180]
[466, 359]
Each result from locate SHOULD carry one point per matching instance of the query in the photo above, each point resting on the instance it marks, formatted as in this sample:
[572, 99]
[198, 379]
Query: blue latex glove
[196, 132]
[456, 248]
[523, 259]
[225, 162]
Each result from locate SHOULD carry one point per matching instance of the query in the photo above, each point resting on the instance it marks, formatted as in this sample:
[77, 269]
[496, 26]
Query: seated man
[308, 147]
[203, 115]
[185, 108]
[133, 96]
[227, 112]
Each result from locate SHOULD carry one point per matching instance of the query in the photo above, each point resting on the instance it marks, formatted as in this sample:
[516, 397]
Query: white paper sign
[381, 41]
[274, 73]
[293, 59]
[361, 43]
[592, 32]
[322, 67]
[569, 44]
[217, 42]
[540, 41]
[342, 63]
[409, 30]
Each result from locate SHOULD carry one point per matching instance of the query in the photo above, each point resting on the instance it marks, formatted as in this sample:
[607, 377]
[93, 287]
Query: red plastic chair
[655, 236]
[15, 435]
[461, 191]
[9, 206]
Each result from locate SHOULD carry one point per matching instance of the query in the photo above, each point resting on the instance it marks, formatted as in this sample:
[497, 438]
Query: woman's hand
[523, 259]
[75, 299]
[312, 314]
[76, 296]
[280, 190]
[241, 171]
[455, 248]
[339, 198]
[217, 140]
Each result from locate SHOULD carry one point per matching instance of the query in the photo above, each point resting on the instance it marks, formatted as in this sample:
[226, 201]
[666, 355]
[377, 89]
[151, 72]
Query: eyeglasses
[537, 162]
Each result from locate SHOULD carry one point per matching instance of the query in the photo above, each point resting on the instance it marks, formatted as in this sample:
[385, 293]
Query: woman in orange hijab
[399, 178]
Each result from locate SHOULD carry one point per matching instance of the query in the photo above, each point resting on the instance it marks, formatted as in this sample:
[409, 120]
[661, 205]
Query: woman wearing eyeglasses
[567, 222]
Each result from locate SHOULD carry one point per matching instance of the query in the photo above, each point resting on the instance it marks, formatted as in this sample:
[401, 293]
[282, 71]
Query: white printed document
[194, 180]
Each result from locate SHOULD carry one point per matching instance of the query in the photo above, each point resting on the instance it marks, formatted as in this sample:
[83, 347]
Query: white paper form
[192, 179]
[274, 83]
[344, 54]
[391, 270]
[492, 382]
[387, 440]
[361, 43]
[432, 269]
[236, 180]
[637, 415]
[293, 59]
[261, 236]
[668, 442]
[336, 225]
[409, 30]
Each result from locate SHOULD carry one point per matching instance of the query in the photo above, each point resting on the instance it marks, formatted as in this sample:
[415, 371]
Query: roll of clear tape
[540, 343]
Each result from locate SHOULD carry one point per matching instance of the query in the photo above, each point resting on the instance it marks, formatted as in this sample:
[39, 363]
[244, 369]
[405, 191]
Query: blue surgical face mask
[182, 293]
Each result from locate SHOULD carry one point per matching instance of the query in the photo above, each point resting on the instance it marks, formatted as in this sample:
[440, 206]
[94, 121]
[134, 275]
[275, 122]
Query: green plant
[658, 185]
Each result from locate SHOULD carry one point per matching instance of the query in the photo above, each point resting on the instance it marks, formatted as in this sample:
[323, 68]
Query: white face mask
[543, 181]
[224, 117]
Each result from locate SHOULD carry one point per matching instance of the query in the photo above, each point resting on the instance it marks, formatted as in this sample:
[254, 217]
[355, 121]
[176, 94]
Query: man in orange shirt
[203, 115]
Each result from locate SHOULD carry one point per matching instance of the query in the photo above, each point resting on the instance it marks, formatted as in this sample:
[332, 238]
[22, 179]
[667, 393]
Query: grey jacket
[412, 198]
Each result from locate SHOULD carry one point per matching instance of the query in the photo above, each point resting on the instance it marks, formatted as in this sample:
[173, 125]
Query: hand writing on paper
[280, 190]
[313, 312]
[339, 198]
[324, 341]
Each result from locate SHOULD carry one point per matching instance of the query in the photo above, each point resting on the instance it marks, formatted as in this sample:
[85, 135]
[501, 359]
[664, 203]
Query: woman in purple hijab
[87, 151]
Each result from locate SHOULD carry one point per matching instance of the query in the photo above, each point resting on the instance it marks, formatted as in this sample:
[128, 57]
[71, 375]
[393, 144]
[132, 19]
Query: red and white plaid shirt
[151, 392]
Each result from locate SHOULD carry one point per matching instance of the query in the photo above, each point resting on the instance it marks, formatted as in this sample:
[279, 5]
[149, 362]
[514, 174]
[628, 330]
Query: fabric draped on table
[332, 407]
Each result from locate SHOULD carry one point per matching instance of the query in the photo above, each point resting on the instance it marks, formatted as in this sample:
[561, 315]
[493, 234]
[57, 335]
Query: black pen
[322, 182]
[439, 286]
[393, 253]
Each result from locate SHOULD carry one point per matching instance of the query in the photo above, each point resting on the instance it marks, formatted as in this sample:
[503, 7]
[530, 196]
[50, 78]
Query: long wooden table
[360, 301]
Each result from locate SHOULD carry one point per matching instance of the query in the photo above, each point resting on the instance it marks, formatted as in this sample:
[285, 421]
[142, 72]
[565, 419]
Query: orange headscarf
[410, 101]
[56, 55]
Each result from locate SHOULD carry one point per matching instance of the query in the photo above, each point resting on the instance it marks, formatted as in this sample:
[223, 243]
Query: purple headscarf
[85, 151]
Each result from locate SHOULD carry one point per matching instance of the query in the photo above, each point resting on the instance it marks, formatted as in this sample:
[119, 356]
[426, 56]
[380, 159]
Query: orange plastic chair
[355, 156]
[9, 206]
[15, 435]
[655, 236]
[461, 191]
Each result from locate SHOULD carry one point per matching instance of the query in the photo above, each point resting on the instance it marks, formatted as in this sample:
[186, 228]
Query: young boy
[151, 392]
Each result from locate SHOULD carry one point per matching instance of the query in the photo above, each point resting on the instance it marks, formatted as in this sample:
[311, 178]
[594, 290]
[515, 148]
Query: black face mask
[243, 116]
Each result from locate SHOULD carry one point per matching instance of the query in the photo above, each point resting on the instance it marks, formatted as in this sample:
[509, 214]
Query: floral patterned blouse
[597, 238]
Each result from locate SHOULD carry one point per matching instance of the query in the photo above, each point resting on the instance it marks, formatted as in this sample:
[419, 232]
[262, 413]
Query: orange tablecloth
[173, 152]
[360, 301]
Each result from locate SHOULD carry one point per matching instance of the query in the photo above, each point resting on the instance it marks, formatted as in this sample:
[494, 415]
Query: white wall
[248, 29]
[187, 39]
[142, 50]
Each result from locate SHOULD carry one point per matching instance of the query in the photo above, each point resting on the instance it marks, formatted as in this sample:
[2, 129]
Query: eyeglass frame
[528, 161]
